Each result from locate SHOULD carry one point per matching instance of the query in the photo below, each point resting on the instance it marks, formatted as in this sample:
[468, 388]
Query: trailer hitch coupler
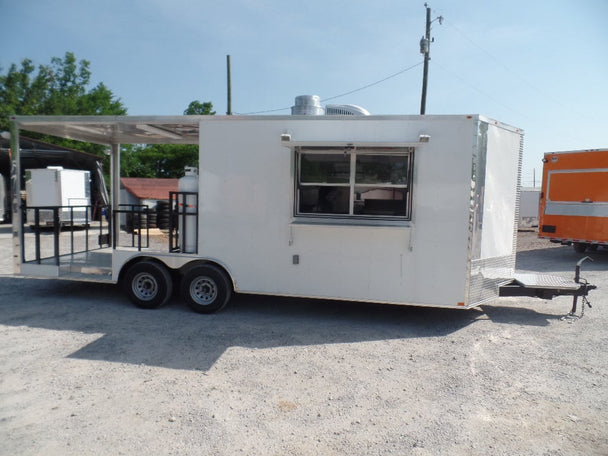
[577, 269]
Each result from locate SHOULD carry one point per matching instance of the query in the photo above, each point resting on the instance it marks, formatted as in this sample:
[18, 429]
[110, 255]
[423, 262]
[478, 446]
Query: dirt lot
[83, 372]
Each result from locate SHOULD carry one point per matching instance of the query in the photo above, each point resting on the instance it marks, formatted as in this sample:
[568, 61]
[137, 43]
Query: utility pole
[229, 84]
[425, 48]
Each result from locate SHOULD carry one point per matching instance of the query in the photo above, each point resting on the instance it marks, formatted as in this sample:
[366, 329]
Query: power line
[262, 112]
[509, 70]
[342, 94]
[374, 83]
[541, 93]
[477, 89]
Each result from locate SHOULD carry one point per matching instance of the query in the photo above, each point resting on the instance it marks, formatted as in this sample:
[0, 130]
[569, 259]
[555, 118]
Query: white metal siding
[246, 207]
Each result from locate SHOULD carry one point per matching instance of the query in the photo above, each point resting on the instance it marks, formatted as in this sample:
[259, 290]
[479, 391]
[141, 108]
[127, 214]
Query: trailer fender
[205, 287]
[137, 259]
[185, 269]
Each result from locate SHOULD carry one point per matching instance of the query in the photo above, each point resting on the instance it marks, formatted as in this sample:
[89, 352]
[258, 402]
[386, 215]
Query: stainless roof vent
[307, 105]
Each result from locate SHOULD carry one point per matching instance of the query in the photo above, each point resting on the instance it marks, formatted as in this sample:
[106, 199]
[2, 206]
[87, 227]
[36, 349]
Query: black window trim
[401, 149]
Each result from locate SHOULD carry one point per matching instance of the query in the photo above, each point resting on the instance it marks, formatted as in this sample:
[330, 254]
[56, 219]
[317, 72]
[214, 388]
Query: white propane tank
[187, 204]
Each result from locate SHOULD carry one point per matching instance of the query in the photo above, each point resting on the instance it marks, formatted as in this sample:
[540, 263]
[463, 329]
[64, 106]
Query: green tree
[197, 108]
[59, 88]
[158, 160]
[164, 160]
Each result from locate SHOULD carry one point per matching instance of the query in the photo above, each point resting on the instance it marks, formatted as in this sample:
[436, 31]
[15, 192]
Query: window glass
[378, 187]
[325, 199]
[325, 168]
[387, 201]
[381, 169]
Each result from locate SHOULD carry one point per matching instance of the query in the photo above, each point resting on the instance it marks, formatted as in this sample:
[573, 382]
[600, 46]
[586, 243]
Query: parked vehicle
[410, 210]
[54, 186]
[529, 200]
[574, 199]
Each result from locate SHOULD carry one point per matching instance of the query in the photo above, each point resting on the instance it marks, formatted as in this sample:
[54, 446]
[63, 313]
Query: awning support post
[15, 195]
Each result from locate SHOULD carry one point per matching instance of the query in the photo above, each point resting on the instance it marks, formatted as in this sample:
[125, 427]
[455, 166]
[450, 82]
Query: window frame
[407, 151]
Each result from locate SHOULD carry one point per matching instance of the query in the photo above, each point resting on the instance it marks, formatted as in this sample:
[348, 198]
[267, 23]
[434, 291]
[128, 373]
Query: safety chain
[572, 317]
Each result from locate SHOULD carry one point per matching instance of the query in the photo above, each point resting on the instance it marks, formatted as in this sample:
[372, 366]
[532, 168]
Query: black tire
[152, 219]
[206, 289]
[162, 214]
[162, 217]
[579, 247]
[148, 284]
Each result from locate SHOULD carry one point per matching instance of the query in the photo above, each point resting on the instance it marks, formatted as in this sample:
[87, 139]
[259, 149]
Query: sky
[541, 66]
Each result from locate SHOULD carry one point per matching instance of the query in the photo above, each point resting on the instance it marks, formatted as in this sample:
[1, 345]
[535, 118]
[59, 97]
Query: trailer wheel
[579, 247]
[206, 289]
[148, 284]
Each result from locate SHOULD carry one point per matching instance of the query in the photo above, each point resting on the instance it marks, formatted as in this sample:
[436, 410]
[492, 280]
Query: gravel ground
[83, 372]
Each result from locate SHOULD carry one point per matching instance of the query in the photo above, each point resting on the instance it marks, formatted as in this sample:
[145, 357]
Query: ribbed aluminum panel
[487, 276]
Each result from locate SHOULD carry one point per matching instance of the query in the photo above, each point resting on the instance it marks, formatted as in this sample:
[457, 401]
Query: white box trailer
[412, 210]
[271, 226]
[54, 186]
[529, 201]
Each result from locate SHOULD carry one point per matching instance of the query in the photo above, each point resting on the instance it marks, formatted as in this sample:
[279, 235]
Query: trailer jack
[572, 316]
[548, 287]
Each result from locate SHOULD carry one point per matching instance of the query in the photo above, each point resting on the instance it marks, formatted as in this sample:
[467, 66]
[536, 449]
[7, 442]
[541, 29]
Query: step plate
[545, 281]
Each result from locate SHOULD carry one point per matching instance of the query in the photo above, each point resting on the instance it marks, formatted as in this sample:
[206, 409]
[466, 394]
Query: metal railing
[136, 222]
[183, 222]
[55, 230]
[70, 218]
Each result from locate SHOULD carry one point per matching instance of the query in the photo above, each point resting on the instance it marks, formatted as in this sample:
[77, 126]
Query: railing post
[22, 220]
[86, 228]
[37, 233]
[138, 230]
[170, 209]
[113, 227]
[132, 226]
[71, 229]
[100, 227]
[184, 233]
[56, 230]
[147, 227]
[109, 215]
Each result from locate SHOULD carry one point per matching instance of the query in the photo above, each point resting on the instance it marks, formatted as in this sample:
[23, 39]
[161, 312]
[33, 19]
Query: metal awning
[116, 129]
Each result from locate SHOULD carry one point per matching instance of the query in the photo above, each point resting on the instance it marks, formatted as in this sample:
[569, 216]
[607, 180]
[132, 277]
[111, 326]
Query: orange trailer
[574, 199]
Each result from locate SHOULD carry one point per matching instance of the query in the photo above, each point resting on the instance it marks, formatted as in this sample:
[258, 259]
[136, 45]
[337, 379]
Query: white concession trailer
[412, 210]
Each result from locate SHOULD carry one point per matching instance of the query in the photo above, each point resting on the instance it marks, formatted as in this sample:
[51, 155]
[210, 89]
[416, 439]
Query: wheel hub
[203, 291]
[145, 286]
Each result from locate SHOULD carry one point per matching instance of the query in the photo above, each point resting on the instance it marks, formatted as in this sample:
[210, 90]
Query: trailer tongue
[547, 287]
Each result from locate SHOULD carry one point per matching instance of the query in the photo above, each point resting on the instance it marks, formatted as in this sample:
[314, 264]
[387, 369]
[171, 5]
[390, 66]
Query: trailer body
[451, 244]
[574, 198]
[412, 210]
[54, 186]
